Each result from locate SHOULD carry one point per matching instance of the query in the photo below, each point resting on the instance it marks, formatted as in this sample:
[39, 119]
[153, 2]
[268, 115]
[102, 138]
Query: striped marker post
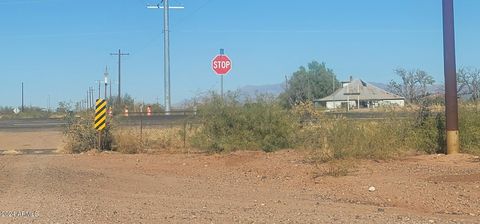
[100, 114]
[100, 119]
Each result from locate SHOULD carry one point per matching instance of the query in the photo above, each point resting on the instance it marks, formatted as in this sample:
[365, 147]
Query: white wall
[400, 103]
[338, 104]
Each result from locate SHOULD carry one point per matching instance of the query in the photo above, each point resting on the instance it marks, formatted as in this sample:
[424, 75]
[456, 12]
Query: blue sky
[58, 48]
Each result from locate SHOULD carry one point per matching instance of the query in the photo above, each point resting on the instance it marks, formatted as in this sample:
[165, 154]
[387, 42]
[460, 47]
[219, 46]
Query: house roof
[362, 90]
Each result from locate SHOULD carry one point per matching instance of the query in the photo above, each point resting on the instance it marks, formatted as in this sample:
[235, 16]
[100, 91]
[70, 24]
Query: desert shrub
[469, 125]
[427, 133]
[333, 138]
[429, 129]
[81, 136]
[229, 125]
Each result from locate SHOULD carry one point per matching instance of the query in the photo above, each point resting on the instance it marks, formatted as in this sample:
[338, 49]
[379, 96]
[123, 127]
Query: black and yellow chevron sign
[100, 114]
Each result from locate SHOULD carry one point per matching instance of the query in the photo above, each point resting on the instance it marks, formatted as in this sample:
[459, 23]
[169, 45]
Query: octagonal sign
[221, 64]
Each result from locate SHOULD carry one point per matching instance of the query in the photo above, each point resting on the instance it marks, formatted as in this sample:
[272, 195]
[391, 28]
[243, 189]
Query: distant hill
[434, 89]
[380, 85]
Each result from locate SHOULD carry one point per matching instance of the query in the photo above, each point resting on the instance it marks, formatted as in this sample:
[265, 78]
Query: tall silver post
[221, 83]
[222, 52]
[166, 52]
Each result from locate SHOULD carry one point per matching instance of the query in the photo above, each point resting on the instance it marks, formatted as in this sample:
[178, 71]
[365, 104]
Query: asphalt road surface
[58, 124]
[31, 124]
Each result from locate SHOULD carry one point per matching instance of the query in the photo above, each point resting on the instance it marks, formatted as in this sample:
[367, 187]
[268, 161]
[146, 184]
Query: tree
[468, 80]
[414, 84]
[64, 106]
[314, 82]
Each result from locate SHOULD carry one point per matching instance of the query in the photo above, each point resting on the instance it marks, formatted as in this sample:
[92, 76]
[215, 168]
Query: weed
[81, 136]
[228, 125]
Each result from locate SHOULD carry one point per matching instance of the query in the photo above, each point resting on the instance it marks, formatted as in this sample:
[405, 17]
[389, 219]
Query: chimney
[351, 78]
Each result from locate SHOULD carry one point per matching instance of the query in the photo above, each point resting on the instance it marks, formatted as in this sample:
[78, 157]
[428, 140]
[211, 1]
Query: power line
[119, 54]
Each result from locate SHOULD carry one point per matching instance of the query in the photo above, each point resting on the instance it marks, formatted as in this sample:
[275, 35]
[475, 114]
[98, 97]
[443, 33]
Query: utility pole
[92, 100]
[166, 50]
[119, 54]
[99, 91]
[111, 84]
[48, 103]
[89, 97]
[451, 101]
[23, 100]
[87, 101]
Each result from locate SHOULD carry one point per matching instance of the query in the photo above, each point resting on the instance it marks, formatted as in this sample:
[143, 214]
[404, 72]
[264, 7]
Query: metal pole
[119, 100]
[99, 87]
[222, 52]
[23, 105]
[221, 83]
[92, 100]
[89, 98]
[87, 102]
[166, 53]
[106, 81]
[111, 83]
[334, 102]
[48, 104]
[451, 101]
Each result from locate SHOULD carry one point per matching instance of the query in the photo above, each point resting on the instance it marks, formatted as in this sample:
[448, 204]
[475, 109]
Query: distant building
[359, 94]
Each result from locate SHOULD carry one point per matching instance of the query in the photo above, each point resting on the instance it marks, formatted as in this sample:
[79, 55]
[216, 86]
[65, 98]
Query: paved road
[159, 120]
[58, 124]
[31, 124]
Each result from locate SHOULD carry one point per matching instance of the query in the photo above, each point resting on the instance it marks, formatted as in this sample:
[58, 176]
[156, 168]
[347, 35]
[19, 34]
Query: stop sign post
[221, 65]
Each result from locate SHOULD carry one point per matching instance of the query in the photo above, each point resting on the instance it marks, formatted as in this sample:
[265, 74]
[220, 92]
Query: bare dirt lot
[15, 142]
[242, 187]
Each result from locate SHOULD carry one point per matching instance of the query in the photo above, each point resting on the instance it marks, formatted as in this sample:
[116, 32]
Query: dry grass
[80, 136]
[152, 140]
[330, 139]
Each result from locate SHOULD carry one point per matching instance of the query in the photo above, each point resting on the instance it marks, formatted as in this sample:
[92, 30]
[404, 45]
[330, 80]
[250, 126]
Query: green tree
[64, 106]
[308, 83]
[413, 85]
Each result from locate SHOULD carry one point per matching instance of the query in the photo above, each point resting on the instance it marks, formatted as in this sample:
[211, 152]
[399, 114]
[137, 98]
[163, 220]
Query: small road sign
[16, 110]
[100, 114]
[221, 64]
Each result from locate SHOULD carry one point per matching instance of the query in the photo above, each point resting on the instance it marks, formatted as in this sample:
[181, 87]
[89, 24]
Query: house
[359, 94]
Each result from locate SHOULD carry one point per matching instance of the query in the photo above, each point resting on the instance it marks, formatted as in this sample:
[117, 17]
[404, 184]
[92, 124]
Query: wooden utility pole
[119, 54]
[451, 101]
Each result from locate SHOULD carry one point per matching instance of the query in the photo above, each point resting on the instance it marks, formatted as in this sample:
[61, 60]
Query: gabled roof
[358, 89]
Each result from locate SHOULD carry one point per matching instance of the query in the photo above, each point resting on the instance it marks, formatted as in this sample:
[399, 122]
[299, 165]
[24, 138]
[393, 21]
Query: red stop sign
[221, 64]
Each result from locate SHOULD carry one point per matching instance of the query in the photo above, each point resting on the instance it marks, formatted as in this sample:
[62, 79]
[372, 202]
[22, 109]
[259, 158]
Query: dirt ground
[21, 140]
[242, 187]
